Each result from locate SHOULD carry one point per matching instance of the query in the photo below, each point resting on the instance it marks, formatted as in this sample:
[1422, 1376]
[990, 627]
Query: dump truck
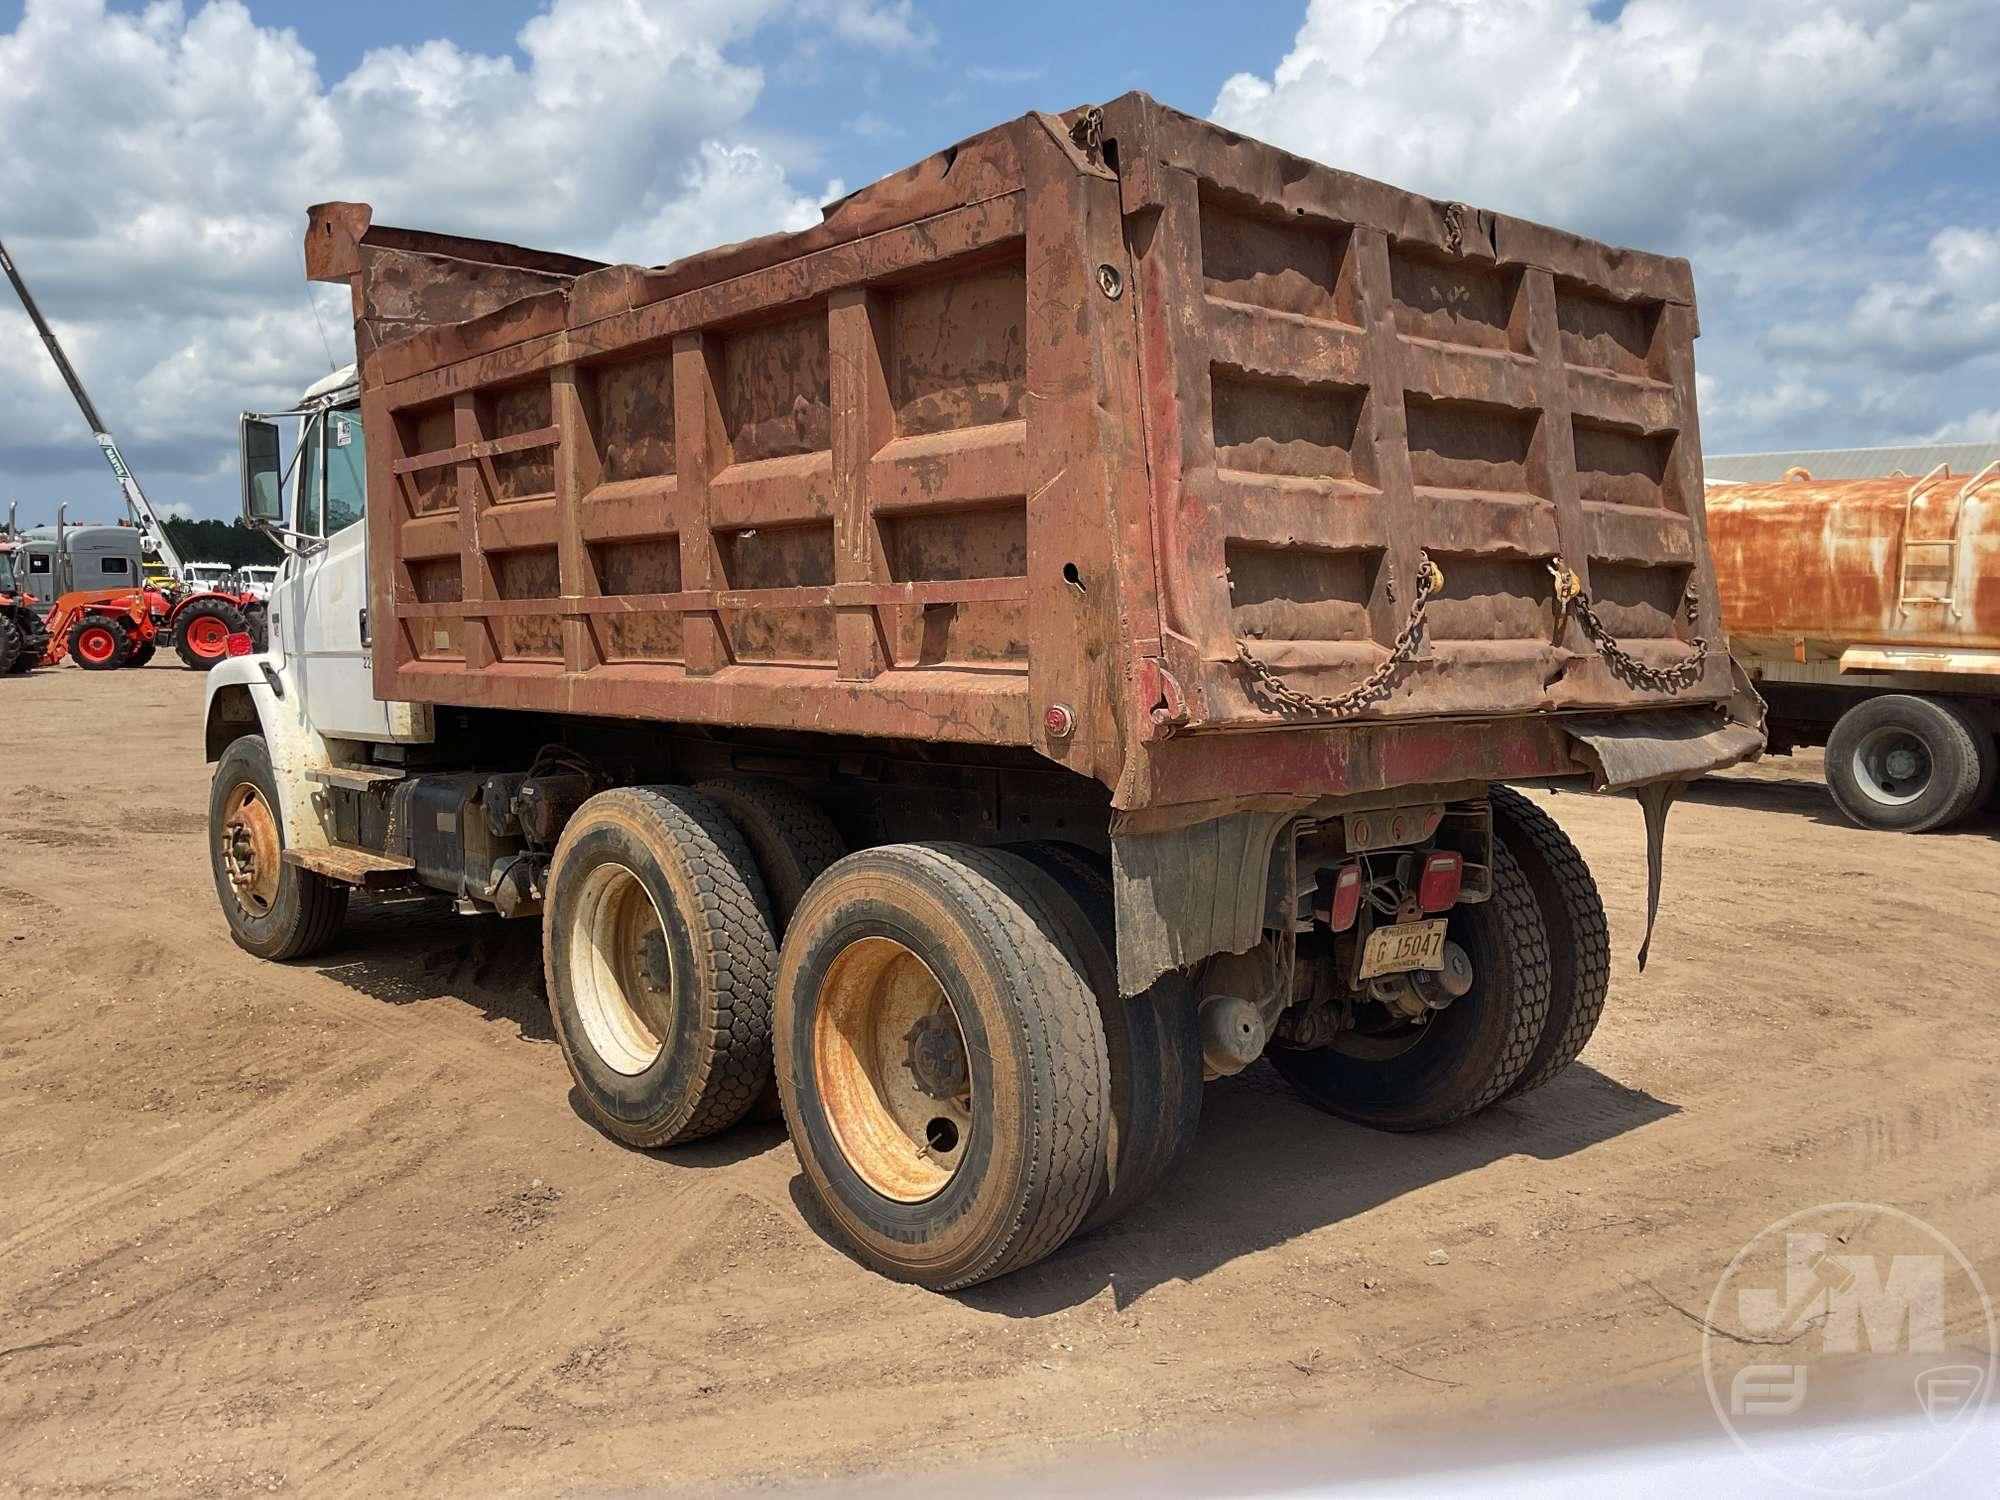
[1048, 635]
[1867, 613]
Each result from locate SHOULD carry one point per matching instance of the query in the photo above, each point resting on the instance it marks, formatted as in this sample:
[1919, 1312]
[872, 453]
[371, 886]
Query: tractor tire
[1579, 935]
[99, 643]
[792, 841]
[202, 631]
[31, 647]
[1904, 763]
[257, 620]
[1152, 1041]
[12, 644]
[274, 909]
[942, 1064]
[142, 653]
[1471, 1052]
[659, 954]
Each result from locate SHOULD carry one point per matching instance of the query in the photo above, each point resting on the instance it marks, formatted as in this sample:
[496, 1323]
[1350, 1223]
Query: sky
[1831, 167]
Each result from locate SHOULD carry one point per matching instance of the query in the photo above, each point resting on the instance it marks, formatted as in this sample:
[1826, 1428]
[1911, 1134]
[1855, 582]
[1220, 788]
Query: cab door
[319, 604]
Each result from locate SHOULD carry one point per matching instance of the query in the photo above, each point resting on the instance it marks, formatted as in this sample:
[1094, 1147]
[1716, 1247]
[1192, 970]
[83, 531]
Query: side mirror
[263, 474]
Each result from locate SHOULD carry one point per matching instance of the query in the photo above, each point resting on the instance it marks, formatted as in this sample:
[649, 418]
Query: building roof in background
[1914, 459]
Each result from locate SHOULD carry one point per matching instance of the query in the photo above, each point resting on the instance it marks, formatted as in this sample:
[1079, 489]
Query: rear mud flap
[1655, 753]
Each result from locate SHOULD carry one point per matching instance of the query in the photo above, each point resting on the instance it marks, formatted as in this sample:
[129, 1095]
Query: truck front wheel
[1413, 1077]
[659, 953]
[1906, 764]
[941, 1062]
[274, 909]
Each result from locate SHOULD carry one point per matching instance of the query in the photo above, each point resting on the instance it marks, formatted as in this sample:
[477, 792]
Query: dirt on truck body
[1143, 548]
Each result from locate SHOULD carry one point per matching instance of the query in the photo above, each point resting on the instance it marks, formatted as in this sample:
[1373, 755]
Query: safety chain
[1571, 598]
[1279, 696]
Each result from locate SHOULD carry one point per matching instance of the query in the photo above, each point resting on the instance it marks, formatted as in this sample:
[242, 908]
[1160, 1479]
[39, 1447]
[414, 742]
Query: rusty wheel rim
[622, 970]
[251, 849]
[891, 1065]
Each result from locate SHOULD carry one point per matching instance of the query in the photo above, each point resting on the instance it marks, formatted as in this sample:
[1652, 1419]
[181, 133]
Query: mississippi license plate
[1406, 946]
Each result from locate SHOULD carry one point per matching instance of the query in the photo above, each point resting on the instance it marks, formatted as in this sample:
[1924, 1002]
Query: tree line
[229, 542]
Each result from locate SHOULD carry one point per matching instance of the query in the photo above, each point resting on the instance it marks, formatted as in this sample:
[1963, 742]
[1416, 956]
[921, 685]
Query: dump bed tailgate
[1343, 380]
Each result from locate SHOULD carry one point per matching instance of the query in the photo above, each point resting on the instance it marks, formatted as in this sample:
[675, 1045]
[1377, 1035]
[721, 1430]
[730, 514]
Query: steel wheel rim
[1892, 765]
[622, 969]
[251, 849]
[96, 643]
[207, 636]
[892, 1069]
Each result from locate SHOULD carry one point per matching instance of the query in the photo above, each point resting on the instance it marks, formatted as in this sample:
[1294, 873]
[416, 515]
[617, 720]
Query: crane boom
[151, 531]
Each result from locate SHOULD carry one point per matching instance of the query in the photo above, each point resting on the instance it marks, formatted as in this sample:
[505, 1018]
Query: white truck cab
[311, 692]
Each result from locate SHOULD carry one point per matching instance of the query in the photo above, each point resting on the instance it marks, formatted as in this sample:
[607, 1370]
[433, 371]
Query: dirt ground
[339, 1228]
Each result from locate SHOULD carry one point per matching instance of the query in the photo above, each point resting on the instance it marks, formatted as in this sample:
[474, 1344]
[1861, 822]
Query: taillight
[1437, 888]
[1343, 902]
[240, 644]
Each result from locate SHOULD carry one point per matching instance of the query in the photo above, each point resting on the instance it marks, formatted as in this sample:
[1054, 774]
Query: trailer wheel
[659, 954]
[1904, 763]
[202, 631]
[1468, 1054]
[274, 910]
[1579, 936]
[1152, 1041]
[99, 643]
[942, 1064]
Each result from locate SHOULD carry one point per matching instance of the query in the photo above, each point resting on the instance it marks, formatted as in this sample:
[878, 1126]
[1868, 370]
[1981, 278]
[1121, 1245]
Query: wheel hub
[936, 1057]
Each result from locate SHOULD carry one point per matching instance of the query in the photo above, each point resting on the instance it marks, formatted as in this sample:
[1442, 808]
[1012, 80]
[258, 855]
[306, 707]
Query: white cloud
[158, 164]
[1946, 314]
[892, 25]
[1974, 427]
[1795, 150]
[1671, 118]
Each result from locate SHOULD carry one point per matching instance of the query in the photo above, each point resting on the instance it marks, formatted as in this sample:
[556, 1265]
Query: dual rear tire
[937, 1018]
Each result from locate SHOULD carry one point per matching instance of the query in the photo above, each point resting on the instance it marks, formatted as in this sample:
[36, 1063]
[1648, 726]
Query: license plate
[1406, 946]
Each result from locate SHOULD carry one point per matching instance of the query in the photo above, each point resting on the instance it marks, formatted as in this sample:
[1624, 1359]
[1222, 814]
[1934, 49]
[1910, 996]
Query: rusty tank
[1867, 611]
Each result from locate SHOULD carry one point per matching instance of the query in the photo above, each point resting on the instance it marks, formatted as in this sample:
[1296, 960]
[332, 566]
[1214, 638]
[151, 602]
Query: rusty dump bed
[1029, 445]
[1810, 569]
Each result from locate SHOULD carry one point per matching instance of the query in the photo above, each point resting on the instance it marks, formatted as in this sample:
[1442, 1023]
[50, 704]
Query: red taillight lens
[240, 644]
[1437, 889]
[1343, 902]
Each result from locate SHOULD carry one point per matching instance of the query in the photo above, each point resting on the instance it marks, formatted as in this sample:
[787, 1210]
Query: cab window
[345, 469]
[310, 486]
[119, 565]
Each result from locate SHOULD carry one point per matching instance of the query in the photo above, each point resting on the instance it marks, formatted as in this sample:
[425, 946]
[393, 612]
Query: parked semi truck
[1867, 611]
[1047, 635]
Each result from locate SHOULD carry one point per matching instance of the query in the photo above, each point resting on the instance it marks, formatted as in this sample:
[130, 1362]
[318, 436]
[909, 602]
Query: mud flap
[1656, 753]
[1655, 799]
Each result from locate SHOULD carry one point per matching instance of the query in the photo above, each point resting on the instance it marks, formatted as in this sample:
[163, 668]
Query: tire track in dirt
[536, 1331]
[191, 1164]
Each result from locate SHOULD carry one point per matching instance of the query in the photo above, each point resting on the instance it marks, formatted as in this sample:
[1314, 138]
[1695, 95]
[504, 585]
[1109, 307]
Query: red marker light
[1437, 888]
[1344, 905]
[240, 644]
